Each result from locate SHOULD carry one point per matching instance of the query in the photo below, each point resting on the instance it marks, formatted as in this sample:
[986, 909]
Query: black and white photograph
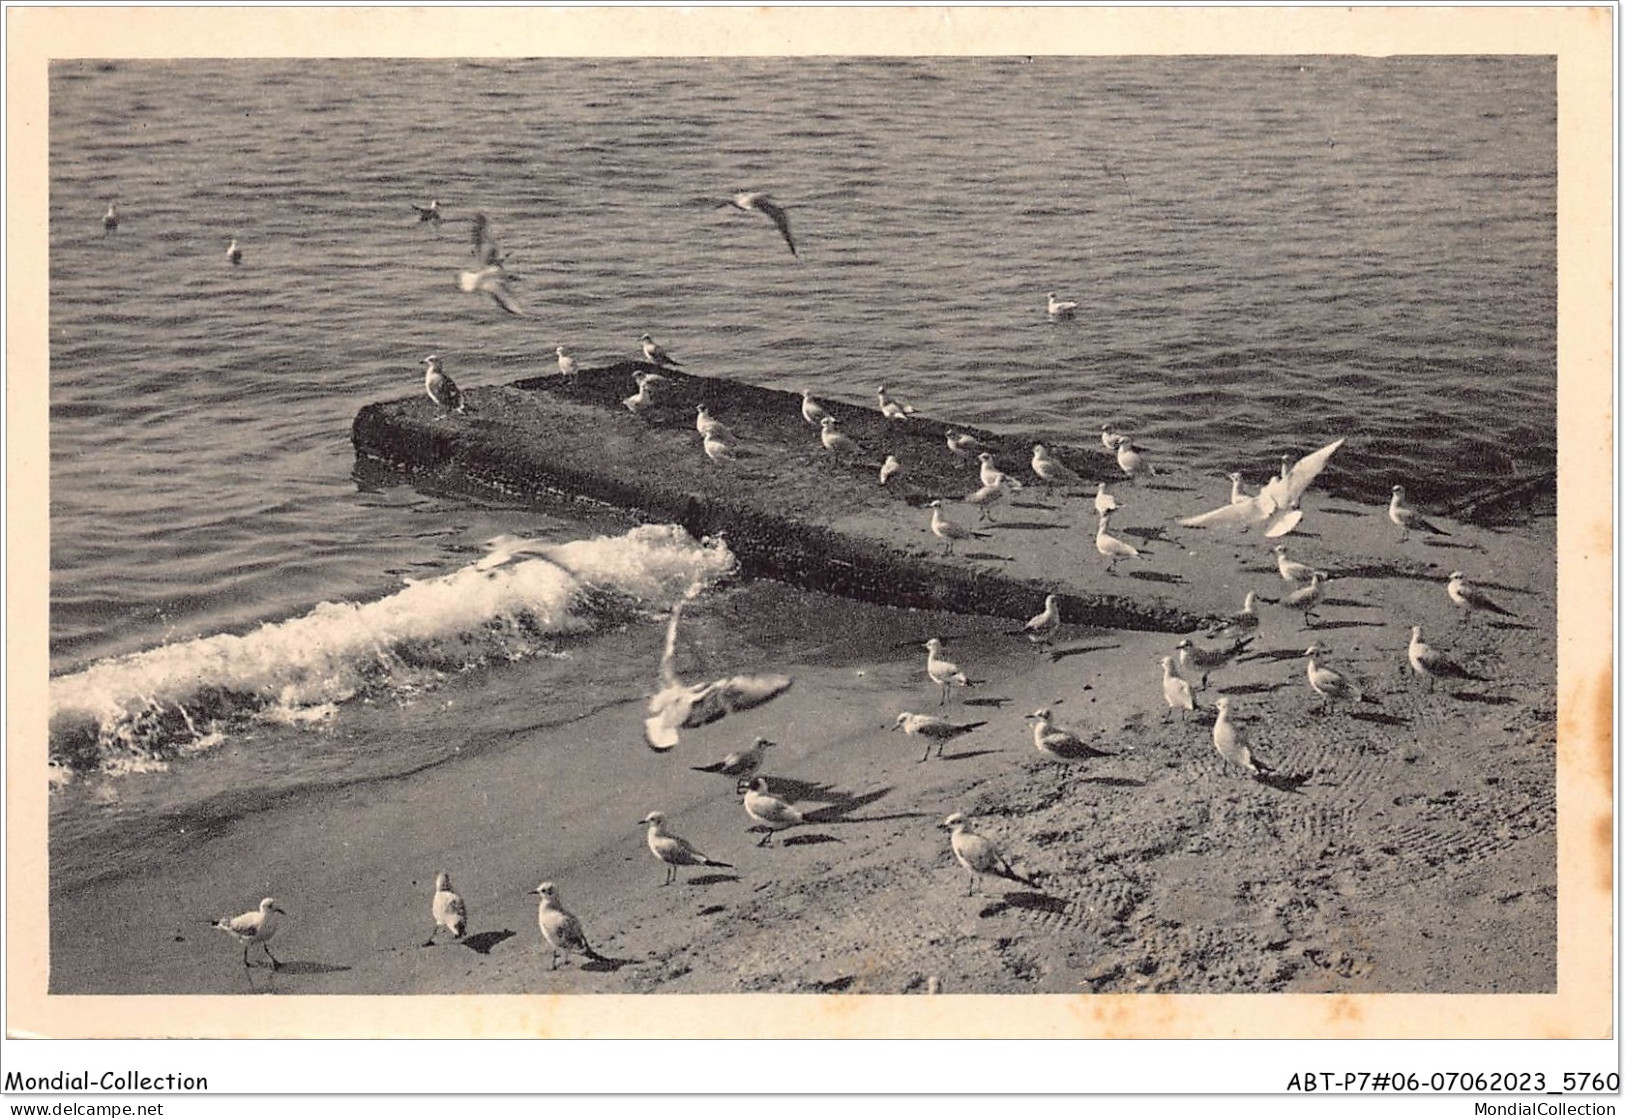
[860, 522]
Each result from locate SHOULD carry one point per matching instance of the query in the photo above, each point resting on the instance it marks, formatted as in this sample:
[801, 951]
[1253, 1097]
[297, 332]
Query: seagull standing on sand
[1042, 628]
[1406, 518]
[674, 851]
[1061, 308]
[1332, 686]
[449, 910]
[110, 219]
[1237, 494]
[491, 280]
[889, 468]
[1110, 546]
[1050, 469]
[962, 445]
[742, 765]
[757, 202]
[1110, 438]
[712, 428]
[811, 410]
[768, 810]
[1307, 598]
[1132, 462]
[1104, 501]
[944, 673]
[233, 253]
[948, 530]
[560, 928]
[645, 395]
[992, 475]
[677, 705]
[1056, 741]
[933, 728]
[1431, 664]
[986, 497]
[567, 364]
[1205, 660]
[441, 388]
[1291, 570]
[891, 409]
[655, 355]
[1470, 599]
[716, 449]
[1176, 689]
[254, 927]
[1231, 743]
[978, 855]
[834, 441]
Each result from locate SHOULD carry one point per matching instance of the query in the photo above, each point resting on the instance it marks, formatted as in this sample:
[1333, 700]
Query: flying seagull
[757, 202]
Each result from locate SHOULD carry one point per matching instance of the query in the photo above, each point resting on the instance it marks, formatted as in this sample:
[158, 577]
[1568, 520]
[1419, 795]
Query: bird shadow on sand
[1257, 688]
[1322, 625]
[1285, 782]
[968, 753]
[1032, 902]
[839, 801]
[296, 966]
[1113, 781]
[1030, 525]
[808, 840]
[482, 942]
[606, 963]
[712, 879]
[1150, 532]
[1063, 653]
[1344, 512]
[1347, 603]
[1515, 625]
[1157, 576]
[995, 701]
[989, 557]
[1379, 718]
[1453, 545]
[1488, 700]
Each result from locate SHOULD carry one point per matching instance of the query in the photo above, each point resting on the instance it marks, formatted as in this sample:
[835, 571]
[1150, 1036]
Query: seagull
[834, 441]
[1110, 546]
[655, 355]
[1237, 494]
[811, 410]
[233, 253]
[1060, 308]
[1050, 469]
[1470, 598]
[986, 497]
[945, 673]
[493, 281]
[1231, 742]
[1109, 438]
[705, 425]
[1291, 570]
[441, 388]
[644, 396]
[1042, 628]
[716, 449]
[1245, 621]
[742, 765]
[254, 927]
[678, 705]
[978, 855]
[429, 213]
[1306, 598]
[1176, 689]
[110, 219]
[449, 910]
[949, 530]
[1431, 664]
[992, 475]
[770, 811]
[674, 851]
[567, 364]
[931, 727]
[891, 409]
[1132, 462]
[757, 202]
[559, 927]
[1276, 505]
[1330, 685]
[1054, 741]
[961, 445]
[888, 468]
[1407, 518]
[1104, 501]
[1207, 659]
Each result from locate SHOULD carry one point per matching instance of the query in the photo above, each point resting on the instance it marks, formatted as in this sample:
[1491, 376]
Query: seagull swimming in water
[757, 202]
[429, 213]
[493, 281]
[233, 253]
[656, 355]
[1061, 308]
[441, 388]
[110, 219]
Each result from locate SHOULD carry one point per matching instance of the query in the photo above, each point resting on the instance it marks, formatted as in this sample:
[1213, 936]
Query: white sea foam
[176, 699]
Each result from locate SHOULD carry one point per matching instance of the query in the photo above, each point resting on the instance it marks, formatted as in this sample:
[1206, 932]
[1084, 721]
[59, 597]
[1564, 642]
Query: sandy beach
[1403, 844]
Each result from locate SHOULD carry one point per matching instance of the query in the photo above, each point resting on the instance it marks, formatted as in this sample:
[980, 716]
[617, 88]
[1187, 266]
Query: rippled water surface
[1268, 253]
